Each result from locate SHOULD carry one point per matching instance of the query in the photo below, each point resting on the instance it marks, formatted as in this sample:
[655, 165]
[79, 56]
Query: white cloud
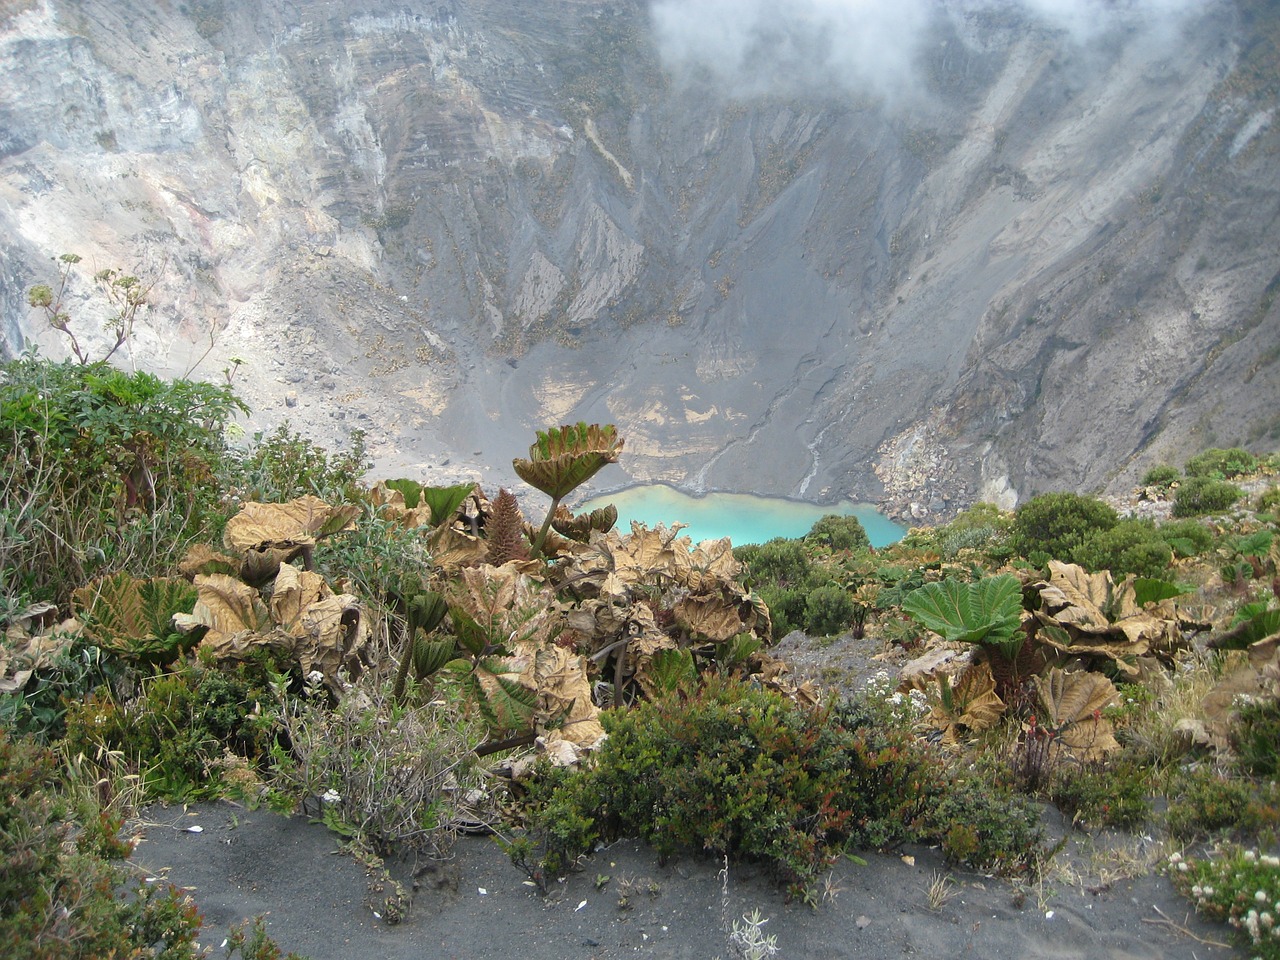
[866, 46]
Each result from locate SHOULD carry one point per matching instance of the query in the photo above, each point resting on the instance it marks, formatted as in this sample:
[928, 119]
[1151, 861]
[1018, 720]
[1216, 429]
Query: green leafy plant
[987, 612]
[1219, 464]
[174, 735]
[1162, 475]
[737, 770]
[828, 610]
[66, 894]
[839, 533]
[1131, 546]
[102, 471]
[1098, 795]
[1255, 737]
[283, 465]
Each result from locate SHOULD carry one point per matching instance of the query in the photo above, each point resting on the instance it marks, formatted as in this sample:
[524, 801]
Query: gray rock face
[1034, 259]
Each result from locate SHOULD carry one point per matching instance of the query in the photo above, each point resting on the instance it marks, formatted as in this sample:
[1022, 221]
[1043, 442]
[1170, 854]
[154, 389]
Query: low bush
[176, 734]
[65, 892]
[1053, 525]
[1201, 495]
[284, 464]
[1117, 795]
[1162, 475]
[828, 610]
[1204, 803]
[1131, 546]
[1219, 464]
[1268, 501]
[780, 561]
[384, 772]
[1255, 738]
[839, 533]
[1239, 887]
[738, 770]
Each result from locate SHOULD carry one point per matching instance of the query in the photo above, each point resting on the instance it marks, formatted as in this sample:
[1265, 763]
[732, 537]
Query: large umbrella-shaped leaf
[987, 612]
[566, 457]
[563, 459]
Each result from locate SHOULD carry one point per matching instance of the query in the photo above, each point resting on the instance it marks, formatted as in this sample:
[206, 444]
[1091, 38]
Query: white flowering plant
[1240, 887]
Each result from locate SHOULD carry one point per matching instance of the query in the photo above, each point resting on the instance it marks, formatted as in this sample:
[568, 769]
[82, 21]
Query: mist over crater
[831, 249]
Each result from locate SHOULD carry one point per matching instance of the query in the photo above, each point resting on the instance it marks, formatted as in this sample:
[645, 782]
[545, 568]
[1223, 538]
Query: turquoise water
[741, 517]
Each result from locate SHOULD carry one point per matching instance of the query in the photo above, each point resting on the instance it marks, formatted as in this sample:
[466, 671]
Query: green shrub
[1255, 738]
[828, 610]
[1187, 538]
[983, 527]
[1219, 464]
[1201, 495]
[786, 608]
[1162, 475]
[1205, 803]
[1053, 525]
[1131, 546]
[1269, 501]
[284, 464]
[986, 826]
[1239, 887]
[174, 736]
[1117, 795]
[103, 471]
[65, 894]
[839, 533]
[737, 770]
[39, 709]
[780, 561]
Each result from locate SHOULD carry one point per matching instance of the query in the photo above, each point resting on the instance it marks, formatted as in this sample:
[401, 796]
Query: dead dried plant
[942, 890]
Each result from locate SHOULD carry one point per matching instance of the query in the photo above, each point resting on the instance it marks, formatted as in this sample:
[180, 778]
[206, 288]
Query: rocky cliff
[948, 252]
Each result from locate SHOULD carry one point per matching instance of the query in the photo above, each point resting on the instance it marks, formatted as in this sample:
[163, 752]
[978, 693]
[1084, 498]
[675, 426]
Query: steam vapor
[864, 46]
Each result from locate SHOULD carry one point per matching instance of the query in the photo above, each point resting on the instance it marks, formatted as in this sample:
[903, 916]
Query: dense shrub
[103, 471]
[781, 562]
[1131, 546]
[284, 464]
[737, 770]
[1114, 796]
[1053, 525]
[1161, 475]
[839, 533]
[827, 610]
[1269, 501]
[1201, 495]
[786, 608]
[1219, 464]
[65, 894]
[1255, 738]
[986, 826]
[176, 734]
[983, 527]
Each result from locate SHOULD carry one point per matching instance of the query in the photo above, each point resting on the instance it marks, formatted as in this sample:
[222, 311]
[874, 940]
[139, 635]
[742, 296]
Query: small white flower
[1261, 896]
[1183, 867]
[1250, 855]
[1267, 920]
[1269, 861]
[1176, 857]
[331, 796]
